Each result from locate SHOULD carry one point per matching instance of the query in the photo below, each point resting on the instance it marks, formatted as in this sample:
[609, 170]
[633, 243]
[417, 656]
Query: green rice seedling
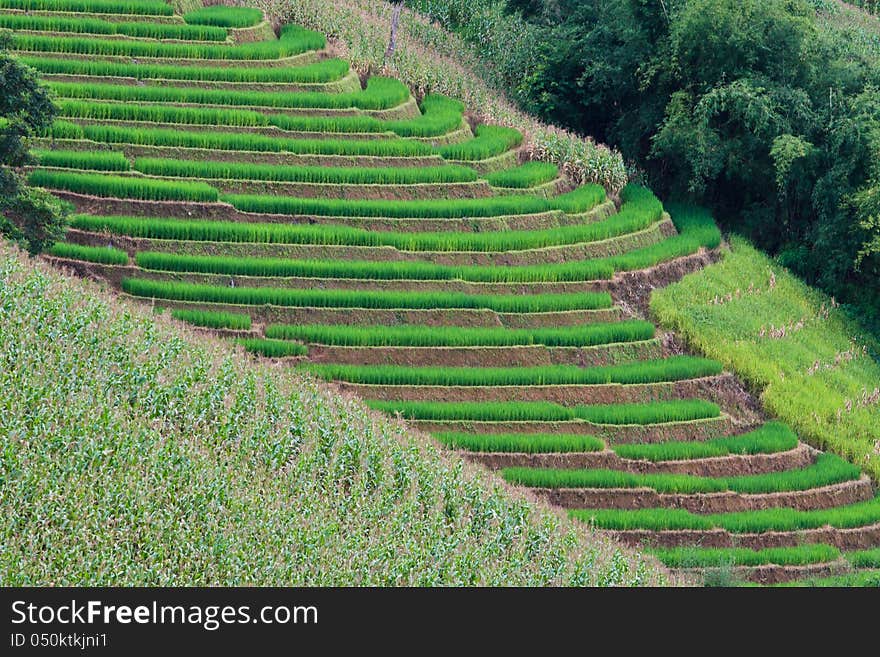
[120, 187]
[92, 160]
[327, 70]
[746, 522]
[95, 26]
[63, 130]
[293, 40]
[360, 299]
[694, 557]
[214, 319]
[366, 269]
[249, 142]
[224, 16]
[101, 254]
[141, 7]
[322, 175]
[380, 93]
[521, 443]
[864, 558]
[827, 470]
[161, 114]
[678, 410]
[490, 140]
[771, 438]
[454, 336]
[486, 412]
[272, 348]
[867, 578]
[530, 174]
[441, 208]
[587, 197]
[675, 368]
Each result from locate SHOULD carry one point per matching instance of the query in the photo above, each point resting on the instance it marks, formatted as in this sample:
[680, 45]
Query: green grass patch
[93, 160]
[141, 7]
[327, 70]
[319, 175]
[105, 255]
[817, 374]
[771, 438]
[360, 299]
[675, 368]
[213, 319]
[586, 335]
[530, 174]
[380, 93]
[864, 558]
[828, 469]
[293, 40]
[490, 140]
[121, 187]
[224, 16]
[694, 557]
[239, 141]
[656, 412]
[95, 26]
[521, 442]
[746, 522]
[869, 578]
[272, 348]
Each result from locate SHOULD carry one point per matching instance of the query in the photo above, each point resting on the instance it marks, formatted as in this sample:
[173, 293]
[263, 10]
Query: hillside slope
[137, 453]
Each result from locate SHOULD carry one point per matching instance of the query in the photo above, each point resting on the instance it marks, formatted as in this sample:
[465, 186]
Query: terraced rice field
[258, 189]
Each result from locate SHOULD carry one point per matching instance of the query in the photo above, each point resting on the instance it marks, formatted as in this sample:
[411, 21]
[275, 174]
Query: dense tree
[32, 217]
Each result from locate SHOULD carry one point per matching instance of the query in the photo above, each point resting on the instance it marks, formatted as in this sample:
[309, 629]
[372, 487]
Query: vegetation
[272, 348]
[92, 160]
[658, 412]
[95, 26]
[326, 70]
[828, 469]
[454, 336]
[771, 438]
[142, 7]
[530, 174]
[674, 368]
[224, 16]
[691, 557]
[121, 187]
[106, 255]
[490, 140]
[213, 319]
[816, 368]
[293, 41]
[359, 299]
[520, 442]
[746, 522]
[164, 447]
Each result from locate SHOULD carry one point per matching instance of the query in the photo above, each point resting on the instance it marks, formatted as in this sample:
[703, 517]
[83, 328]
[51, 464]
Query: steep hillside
[482, 276]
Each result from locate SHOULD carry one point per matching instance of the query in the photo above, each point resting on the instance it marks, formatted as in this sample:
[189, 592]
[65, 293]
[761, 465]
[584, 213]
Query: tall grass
[94, 160]
[213, 319]
[142, 7]
[372, 270]
[94, 26]
[454, 336]
[325, 175]
[530, 174]
[358, 299]
[101, 254]
[828, 469]
[494, 206]
[490, 140]
[380, 93]
[327, 70]
[292, 41]
[272, 348]
[771, 438]
[521, 442]
[120, 187]
[694, 557]
[675, 368]
[864, 558]
[689, 409]
[746, 522]
[224, 16]
[240, 142]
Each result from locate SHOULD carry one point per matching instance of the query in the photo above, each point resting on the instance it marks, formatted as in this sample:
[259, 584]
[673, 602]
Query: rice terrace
[328, 272]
